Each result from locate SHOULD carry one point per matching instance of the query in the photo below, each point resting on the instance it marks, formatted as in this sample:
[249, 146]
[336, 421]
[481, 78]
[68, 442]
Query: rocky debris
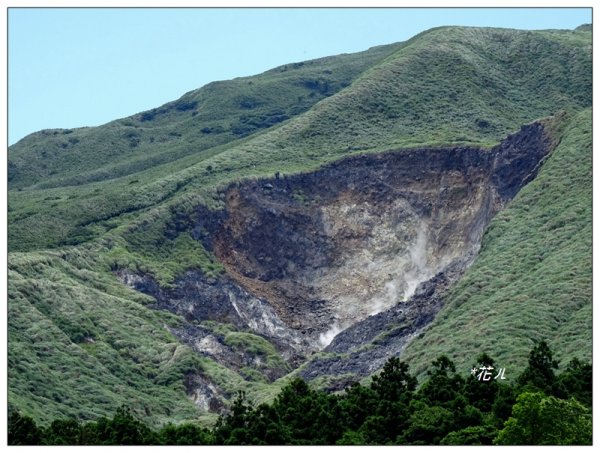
[518, 158]
[407, 316]
[214, 345]
[199, 298]
[204, 393]
[363, 348]
[330, 248]
[353, 258]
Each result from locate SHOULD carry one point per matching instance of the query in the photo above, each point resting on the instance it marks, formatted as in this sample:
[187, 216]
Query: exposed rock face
[364, 347]
[330, 248]
[204, 393]
[198, 298]
[358, 247]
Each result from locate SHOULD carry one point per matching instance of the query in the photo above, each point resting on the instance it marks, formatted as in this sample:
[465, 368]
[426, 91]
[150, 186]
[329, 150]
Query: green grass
[533, 277]
[75, 350]
[256, 346]
[87, 201]
[82, 345]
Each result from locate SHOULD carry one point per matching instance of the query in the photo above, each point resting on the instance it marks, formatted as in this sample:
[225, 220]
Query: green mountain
[222, 241]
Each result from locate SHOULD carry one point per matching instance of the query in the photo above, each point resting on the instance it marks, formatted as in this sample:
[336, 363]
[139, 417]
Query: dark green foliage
[394, 389]
[389, 411]
[22, 430]
[122, 429]
[310, 416]
[63, 432]
[125, 429]
[576, 382]
[299, 415]
[352, 438]
[185, 434]
[443, 385]
[481, 394]
[503, 402]
[232, 429]
[473, 435]
[539, 374]
[394, 382]
[356, 407]
[427, 424]
[267, 428]
[445, 410]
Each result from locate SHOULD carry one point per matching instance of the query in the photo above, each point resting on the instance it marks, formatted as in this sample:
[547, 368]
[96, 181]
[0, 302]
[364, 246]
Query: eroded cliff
[353, 258]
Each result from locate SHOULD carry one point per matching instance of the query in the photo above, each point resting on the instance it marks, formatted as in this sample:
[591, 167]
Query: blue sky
[84, 67]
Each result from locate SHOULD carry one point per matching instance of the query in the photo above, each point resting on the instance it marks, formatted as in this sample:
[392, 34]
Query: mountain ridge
[444, 89]
[214, 102]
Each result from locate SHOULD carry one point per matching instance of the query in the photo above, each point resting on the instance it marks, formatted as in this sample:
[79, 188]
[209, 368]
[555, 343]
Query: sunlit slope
[533, 277]
[452, 84]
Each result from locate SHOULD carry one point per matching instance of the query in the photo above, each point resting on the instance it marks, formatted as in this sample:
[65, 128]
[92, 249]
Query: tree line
[540, 408]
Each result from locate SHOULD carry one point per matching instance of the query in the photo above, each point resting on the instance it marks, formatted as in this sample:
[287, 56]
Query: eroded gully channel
[329, 260]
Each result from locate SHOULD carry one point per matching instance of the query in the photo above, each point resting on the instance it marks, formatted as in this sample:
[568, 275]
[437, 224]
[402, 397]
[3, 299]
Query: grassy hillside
[533, 277]
[84, 201]
[218, 113]
[81, 345]
[448, 85]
